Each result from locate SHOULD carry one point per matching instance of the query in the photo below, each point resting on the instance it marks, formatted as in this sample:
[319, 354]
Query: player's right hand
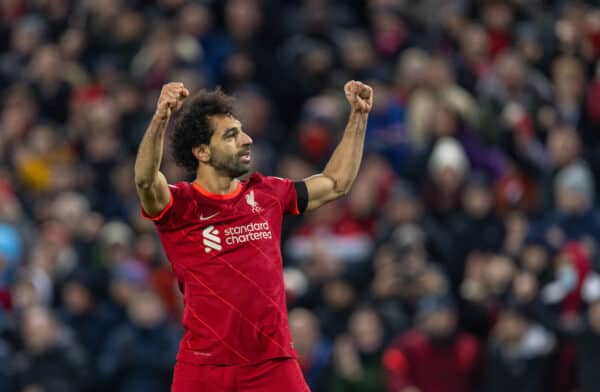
[170, 100]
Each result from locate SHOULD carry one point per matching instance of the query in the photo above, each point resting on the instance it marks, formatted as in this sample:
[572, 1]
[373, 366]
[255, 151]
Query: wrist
[158, 116]
[358, 112]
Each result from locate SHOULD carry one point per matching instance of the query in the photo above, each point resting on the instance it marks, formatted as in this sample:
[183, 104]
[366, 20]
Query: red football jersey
[225, 251]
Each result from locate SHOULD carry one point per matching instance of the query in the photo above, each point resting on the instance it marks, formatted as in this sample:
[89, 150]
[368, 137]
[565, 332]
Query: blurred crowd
[464, 259]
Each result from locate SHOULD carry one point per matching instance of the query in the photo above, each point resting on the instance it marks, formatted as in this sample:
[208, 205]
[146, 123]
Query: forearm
[343, 165]
[150, 151]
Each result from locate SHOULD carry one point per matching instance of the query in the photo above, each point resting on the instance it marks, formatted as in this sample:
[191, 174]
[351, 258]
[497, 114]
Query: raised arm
[342, 168]
[150, 183]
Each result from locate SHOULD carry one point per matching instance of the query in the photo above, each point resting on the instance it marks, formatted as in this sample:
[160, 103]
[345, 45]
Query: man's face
[564, 146]
[366, 330]
[229, 146]
[440, 325]
[569, 201]
[39, 330]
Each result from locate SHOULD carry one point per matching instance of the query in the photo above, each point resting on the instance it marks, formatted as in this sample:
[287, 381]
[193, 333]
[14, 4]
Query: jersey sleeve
[164, 218]
[293, 195]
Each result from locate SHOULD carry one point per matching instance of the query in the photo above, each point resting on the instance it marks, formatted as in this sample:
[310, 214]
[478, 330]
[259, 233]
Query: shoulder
[468, 351]
[258, 177]
[180, 186]
[260, 180]
[181, 189]
[467, 343]
[409, 340]
[285, 191]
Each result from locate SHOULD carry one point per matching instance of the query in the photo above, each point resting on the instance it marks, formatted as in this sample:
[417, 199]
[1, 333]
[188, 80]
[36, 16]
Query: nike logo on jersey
[203, 218]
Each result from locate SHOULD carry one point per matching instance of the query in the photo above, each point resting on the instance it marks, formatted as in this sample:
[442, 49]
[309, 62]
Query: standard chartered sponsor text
[250, 232]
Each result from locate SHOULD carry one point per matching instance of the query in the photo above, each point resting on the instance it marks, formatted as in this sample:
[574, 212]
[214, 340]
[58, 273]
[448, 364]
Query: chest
[247, 207]
[251, 220]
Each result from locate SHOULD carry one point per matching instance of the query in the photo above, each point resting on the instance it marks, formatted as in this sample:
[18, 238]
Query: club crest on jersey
[253, 203]
[210, 239]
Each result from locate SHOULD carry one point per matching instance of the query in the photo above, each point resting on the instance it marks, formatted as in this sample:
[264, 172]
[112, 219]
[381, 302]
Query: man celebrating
[222, 237]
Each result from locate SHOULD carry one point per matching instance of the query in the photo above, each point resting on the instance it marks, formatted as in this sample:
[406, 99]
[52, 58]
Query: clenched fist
[359, 95]
[171, 98]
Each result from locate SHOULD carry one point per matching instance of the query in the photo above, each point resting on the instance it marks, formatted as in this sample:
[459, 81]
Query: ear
[202, 153]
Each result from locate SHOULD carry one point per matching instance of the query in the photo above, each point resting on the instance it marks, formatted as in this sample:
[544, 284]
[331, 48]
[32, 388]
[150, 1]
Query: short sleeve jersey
[226, 254]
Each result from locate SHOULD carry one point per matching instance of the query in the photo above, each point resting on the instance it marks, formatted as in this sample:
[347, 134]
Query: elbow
[143, 183]
[142, 179]
[343, 190]
[343, 187]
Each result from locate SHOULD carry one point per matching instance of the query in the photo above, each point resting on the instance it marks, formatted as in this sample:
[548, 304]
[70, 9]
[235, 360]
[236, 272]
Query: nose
[246, 139]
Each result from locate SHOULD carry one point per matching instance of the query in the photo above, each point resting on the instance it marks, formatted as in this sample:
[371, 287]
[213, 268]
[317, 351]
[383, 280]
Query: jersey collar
[215, 196]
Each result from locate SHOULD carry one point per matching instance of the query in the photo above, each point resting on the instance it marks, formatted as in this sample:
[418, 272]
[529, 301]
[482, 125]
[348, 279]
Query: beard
[230, 165]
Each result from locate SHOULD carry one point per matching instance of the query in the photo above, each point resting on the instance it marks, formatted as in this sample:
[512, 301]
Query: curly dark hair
[193, 127]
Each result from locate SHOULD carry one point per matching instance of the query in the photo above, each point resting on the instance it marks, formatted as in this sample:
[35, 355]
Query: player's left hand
[359, 95]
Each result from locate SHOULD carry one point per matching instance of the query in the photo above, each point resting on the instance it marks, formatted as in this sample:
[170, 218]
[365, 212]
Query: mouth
[245, 157]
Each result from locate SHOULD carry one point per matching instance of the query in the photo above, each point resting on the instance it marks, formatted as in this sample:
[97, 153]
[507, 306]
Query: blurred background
[464, 259]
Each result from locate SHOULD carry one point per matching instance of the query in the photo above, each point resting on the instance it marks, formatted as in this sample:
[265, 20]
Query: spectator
[518, 356]
[314, 351]
[357, 356]
[140, 355]
[51, 91]
[435, 356]
[484, 290]
[27, 33]
[575, 216]
[472, 62]
[90, 319]
[439, 85]
[50, 360]
[386, 130]
[564, 149]
[584, 332]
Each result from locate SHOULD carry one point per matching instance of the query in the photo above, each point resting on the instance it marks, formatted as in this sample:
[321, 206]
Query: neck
[214, 182]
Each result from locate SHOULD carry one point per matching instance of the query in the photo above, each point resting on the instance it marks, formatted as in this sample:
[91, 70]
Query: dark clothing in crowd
[514, 371]
[138, 359]
[62, 368]
[582, 335]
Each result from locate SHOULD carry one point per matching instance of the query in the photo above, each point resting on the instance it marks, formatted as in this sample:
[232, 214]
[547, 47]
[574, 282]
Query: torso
[225, 252]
